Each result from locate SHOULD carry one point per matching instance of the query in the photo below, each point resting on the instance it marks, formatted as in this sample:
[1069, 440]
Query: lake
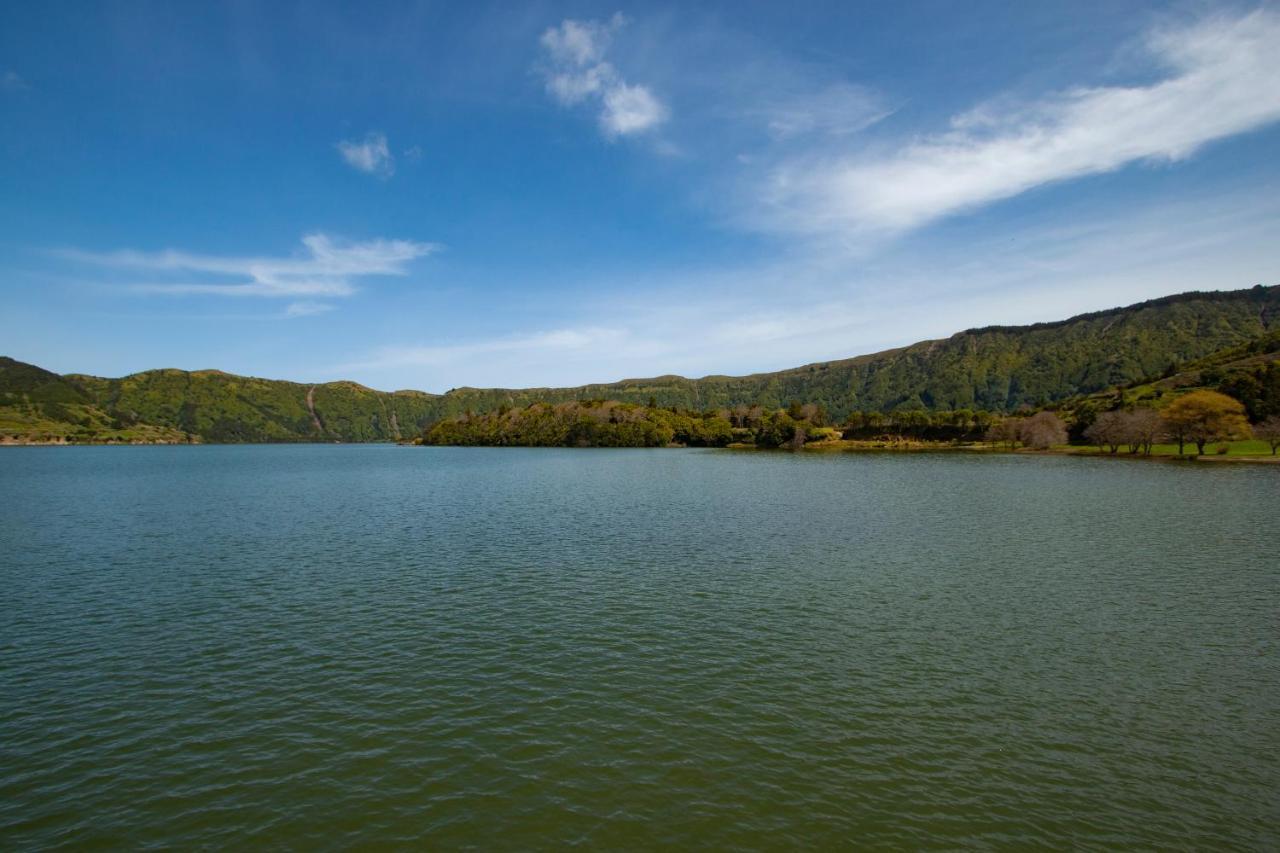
[324, 646]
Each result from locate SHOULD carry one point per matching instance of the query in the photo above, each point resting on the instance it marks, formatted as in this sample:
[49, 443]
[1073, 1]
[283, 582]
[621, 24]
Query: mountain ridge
[995, 368]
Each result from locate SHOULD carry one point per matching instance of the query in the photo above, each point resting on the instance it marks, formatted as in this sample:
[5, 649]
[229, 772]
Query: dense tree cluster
[591, 423]
[956, 425]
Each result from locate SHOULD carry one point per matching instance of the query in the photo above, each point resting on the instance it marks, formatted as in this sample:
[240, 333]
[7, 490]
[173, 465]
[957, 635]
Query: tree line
[1196, 419]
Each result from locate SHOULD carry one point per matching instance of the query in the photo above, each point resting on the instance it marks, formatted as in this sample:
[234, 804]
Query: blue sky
[418, 195]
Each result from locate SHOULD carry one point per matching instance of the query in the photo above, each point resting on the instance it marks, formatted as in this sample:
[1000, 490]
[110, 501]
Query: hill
[222, 407]
[996, 368]
[43, 407]
[1249, 372]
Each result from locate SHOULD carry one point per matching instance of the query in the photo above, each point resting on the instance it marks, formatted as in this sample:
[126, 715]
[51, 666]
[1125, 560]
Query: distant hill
[996, 368]
[37, 405]
[222, 407]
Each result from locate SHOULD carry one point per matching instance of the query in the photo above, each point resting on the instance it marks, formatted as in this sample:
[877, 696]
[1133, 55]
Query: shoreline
[1081, 451]
[834, 447]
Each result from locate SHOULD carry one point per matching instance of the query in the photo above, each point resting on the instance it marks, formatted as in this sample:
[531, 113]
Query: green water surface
[337, 646]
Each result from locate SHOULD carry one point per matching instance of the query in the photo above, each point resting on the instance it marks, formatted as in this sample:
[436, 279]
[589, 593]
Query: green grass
[1252, 447]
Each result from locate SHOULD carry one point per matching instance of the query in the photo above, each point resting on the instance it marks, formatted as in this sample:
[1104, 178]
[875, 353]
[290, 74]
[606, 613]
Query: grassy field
[1233, 448]
[1252, 449]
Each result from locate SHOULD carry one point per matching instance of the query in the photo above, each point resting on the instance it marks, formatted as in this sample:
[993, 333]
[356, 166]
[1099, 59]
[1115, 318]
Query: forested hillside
[222, 407]
[41, 406]
[997, 369]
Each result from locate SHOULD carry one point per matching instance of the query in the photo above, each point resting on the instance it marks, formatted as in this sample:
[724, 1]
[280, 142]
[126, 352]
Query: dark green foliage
[1257, 387]
[591, 423]
[777, 430]
[26, 384]
[958, 425]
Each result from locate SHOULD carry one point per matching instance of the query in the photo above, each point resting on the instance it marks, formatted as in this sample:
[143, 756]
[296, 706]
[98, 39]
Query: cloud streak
[575, 71]
[840, 109]
[370, 155]
[326, 268]
[1221, 81]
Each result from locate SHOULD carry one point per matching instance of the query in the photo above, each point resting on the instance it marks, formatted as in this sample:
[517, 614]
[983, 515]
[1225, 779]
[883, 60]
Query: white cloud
[370, 155]
[630, 109]
[1221, 80]
[576, 71]
[327, 268]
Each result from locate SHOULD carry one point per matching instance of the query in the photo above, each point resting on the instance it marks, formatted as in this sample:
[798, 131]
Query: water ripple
[515, 649]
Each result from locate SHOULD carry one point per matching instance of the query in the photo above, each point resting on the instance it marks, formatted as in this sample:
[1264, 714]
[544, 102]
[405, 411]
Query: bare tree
[1108, 431]
[1042, 431]
[1144, 427]
[1269, 431]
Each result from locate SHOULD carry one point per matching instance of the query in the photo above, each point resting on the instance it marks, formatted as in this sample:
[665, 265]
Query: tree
[1204, 416]
[778, 429]
[1143, 428]
[1042, 431]
[1003, 432]
[1107, 431]
[1269, 431]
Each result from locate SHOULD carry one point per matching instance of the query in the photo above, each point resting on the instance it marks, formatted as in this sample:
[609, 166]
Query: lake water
[325, 646]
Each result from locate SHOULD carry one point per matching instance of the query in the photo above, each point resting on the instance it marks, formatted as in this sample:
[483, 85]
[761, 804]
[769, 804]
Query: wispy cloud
[306, 308]
[326, 268]
[370, 155]
[1221, 75]
[11, 81]
[840, 109]
[576, 71]
[797, 310]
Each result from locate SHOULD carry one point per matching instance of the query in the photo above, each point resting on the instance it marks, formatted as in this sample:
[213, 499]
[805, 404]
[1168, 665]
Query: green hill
[39, 406]
[1249, 372]
[997, 368]
[222, 407]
